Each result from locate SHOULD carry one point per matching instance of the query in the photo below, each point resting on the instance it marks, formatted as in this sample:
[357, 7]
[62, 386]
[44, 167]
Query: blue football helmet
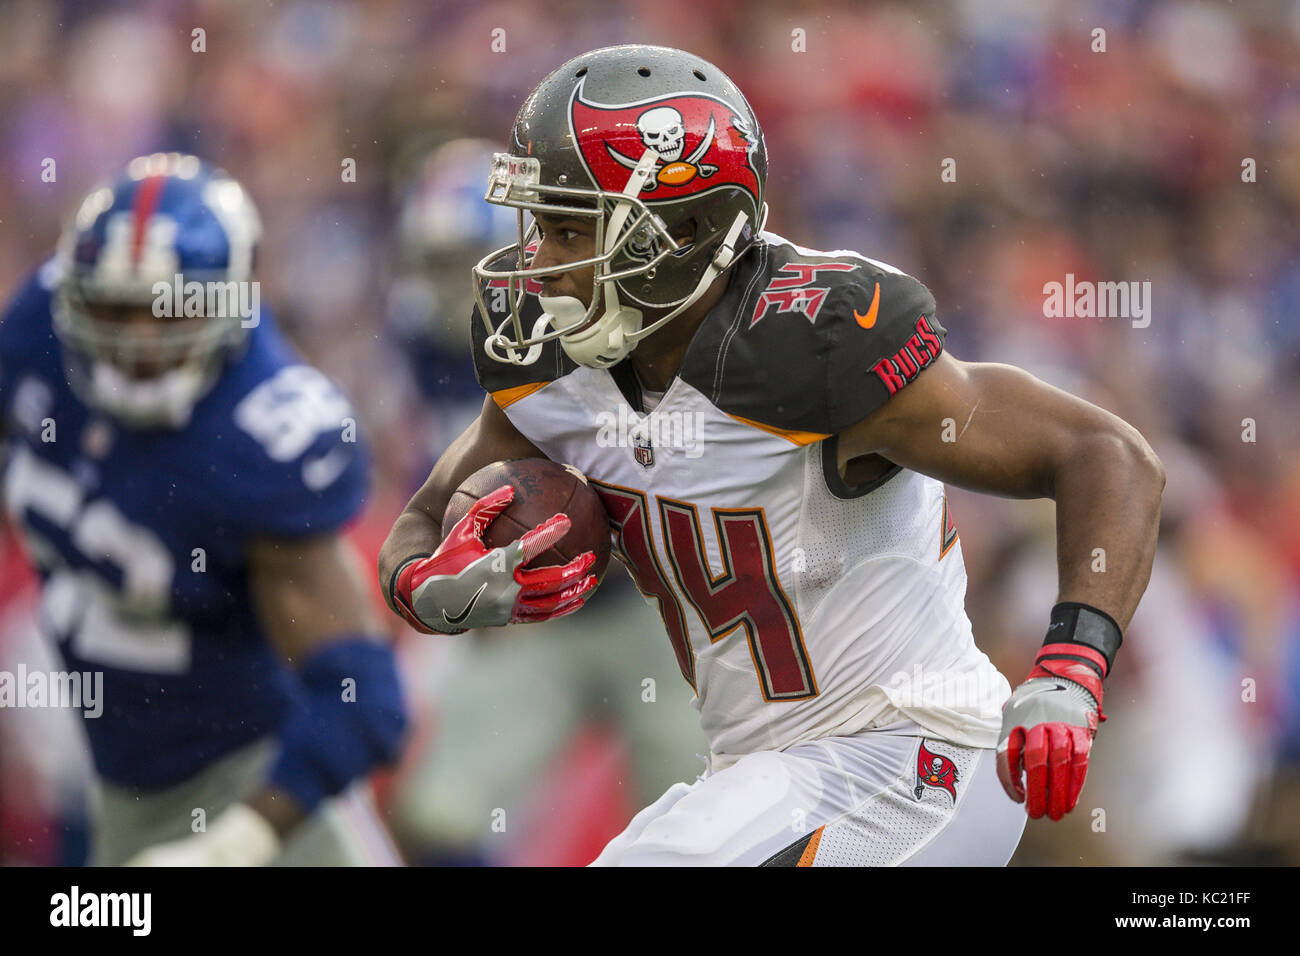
[444, 226]
[156, 288]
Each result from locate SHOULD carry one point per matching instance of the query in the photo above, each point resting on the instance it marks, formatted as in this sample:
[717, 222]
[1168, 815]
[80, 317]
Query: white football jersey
[798, 607]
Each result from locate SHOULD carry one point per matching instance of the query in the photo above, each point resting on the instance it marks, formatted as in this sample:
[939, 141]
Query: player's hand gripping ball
[525, 541]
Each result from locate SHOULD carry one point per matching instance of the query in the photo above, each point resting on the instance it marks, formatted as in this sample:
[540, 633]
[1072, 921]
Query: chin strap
[496, 342]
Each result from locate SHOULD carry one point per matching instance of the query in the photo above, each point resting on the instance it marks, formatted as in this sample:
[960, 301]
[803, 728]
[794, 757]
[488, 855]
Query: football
[542, 489]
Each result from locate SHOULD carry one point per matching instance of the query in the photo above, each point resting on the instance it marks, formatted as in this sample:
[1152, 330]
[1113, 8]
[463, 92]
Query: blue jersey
[141, 537]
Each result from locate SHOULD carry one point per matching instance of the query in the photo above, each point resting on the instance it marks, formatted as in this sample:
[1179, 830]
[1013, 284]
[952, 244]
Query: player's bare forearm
[1107, 517]
[307, 593]
[998, 430]
[418, 529]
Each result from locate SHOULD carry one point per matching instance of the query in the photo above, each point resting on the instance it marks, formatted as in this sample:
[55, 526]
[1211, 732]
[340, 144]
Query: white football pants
[873, 799]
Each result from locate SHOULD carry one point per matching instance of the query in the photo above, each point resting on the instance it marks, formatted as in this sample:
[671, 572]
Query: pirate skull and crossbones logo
[663, 130]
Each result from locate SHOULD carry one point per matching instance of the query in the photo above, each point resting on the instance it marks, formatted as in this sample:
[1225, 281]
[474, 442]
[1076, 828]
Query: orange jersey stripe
[506, 397]
[810, 851]
[799, 438]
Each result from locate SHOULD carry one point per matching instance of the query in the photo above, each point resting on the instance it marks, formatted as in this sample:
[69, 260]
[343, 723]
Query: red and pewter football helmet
[641, 139]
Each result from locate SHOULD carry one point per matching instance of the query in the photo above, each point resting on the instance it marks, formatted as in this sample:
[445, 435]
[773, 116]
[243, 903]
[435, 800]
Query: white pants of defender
[344, 831]
[840, 801]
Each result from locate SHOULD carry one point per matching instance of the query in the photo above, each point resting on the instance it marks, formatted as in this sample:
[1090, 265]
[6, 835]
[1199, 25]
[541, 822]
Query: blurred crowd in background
[1161, 150]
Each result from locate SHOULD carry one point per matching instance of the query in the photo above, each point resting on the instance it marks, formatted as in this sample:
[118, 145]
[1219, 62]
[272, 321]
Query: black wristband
[392, 581]
[1075, 623]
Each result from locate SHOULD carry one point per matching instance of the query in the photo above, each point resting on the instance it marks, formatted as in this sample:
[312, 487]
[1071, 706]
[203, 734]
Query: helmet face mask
[646, 141]
[620, 220]
[145, 372]
[129, 337]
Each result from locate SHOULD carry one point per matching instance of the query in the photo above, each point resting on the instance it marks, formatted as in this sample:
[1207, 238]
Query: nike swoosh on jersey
[468, 607]
[868, 320]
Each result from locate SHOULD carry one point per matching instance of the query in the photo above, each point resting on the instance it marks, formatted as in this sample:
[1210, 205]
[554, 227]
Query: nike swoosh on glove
[1048, 726]
[464, 585]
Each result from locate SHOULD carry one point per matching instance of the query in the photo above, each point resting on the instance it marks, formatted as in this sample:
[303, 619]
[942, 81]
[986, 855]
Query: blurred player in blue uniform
[180, 478]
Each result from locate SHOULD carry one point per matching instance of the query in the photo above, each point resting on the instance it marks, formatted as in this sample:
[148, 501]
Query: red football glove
[463, 585]
[1048, 726]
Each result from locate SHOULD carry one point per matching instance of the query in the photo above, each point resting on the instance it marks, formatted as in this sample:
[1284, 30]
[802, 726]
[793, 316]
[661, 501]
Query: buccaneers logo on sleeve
[790, 290]
[933, 770]
[700, 142]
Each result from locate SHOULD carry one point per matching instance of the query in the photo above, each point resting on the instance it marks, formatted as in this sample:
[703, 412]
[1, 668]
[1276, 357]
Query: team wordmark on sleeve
[917, 352]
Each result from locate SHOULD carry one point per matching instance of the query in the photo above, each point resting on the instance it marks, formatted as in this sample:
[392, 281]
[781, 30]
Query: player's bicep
[986, 427]
[307, 591]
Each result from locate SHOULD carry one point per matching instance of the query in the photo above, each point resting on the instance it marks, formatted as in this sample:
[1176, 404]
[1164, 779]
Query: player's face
[566, 240]
[572, 240]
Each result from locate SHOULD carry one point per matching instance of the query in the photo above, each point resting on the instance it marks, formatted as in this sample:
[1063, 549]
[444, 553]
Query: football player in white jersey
[770, 428]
